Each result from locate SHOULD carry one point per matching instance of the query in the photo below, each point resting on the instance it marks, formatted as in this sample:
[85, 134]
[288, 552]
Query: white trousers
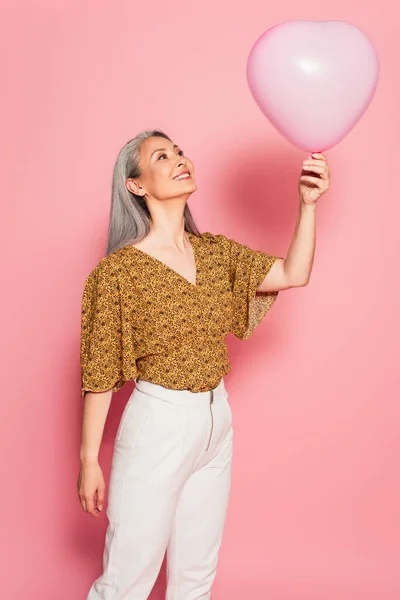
[168, 492]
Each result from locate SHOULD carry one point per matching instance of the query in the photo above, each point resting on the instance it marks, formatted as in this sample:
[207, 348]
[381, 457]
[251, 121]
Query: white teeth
[183, 176]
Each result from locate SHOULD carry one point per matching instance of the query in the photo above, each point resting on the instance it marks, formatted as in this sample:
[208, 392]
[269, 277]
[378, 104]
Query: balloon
[313, 80]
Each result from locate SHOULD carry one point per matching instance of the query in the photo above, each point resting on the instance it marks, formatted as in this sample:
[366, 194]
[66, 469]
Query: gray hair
[129, 215]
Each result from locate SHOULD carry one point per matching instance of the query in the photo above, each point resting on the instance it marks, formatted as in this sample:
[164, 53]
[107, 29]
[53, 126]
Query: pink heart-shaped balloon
[313, 80]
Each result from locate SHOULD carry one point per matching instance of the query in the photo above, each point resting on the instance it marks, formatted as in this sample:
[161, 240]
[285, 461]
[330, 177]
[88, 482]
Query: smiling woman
[157, 309]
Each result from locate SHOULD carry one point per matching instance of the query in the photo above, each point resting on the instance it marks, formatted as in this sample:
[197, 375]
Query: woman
[156, 309]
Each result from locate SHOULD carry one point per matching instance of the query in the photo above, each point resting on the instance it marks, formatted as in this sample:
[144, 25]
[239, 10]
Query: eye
[181, 152]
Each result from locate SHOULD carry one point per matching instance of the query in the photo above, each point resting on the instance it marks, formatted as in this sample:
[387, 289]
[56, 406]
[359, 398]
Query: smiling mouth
[182, 176]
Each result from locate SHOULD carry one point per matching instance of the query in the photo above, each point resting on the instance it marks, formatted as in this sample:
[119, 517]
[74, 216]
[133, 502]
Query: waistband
[181, 397]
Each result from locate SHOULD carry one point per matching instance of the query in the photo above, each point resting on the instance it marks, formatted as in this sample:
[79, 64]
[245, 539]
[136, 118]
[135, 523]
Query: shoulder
[106, 269]
[220, 242]
[217, 239]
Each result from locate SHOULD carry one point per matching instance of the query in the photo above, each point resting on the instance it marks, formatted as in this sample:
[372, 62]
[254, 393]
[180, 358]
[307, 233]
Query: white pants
[168, 491]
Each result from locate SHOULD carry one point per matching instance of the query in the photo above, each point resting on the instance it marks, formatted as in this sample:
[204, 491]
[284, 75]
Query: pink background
[314, 510]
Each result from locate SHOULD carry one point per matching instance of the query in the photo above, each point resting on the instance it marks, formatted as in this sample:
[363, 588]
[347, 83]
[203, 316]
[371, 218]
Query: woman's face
[166, 171]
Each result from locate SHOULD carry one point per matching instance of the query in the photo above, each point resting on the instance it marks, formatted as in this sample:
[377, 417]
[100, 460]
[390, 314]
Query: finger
[321, 176]
[320, 163]
[323, 172]
[82, 500]
[318, 155]
[316, 180]
[314, 169]
[100, 497]
[90, 506]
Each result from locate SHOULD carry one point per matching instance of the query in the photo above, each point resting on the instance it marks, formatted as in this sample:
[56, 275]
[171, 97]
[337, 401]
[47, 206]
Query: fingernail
[100, 507]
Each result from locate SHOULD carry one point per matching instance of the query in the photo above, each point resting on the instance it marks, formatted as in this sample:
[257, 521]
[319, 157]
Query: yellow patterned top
[140, 318]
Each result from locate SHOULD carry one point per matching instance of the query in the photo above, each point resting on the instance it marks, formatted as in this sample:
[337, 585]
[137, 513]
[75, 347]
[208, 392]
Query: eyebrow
[158, 149]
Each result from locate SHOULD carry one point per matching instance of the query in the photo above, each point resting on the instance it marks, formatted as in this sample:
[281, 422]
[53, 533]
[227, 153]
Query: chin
[189, 187]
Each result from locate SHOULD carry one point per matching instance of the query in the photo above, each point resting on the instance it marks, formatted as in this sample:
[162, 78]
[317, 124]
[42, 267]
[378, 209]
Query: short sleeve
[101, 332]
[247, 269]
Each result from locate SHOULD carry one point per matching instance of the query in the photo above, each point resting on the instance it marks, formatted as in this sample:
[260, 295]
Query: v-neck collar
[160, 262]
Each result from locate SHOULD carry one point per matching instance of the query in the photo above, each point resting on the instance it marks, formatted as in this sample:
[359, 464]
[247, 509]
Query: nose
[181, 161]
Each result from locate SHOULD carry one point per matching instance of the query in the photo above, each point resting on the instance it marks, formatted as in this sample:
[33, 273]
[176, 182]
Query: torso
[173, 331]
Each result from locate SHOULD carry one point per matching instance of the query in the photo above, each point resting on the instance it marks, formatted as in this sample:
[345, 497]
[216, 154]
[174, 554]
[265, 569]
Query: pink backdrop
[314, 510]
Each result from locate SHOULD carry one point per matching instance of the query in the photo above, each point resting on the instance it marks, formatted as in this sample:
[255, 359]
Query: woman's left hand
[314, 179]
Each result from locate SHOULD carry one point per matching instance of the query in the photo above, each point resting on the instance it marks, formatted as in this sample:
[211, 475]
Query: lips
[180, 174]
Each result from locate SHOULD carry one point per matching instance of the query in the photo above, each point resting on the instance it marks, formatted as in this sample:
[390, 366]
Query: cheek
[159, 177]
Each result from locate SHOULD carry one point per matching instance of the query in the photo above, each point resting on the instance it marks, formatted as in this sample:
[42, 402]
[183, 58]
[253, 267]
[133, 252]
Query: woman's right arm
[101, 369]
[91, 486]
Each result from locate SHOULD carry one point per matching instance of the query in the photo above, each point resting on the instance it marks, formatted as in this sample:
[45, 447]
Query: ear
[134, 186]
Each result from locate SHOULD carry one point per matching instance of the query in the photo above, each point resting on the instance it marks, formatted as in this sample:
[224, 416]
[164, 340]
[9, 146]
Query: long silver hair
[129, 215]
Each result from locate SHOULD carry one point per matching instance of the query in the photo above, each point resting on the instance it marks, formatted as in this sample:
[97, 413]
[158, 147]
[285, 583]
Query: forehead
[154, 142]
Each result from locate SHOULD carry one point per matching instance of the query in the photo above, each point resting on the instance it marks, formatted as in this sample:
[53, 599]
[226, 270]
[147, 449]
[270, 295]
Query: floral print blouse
[140, 318]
